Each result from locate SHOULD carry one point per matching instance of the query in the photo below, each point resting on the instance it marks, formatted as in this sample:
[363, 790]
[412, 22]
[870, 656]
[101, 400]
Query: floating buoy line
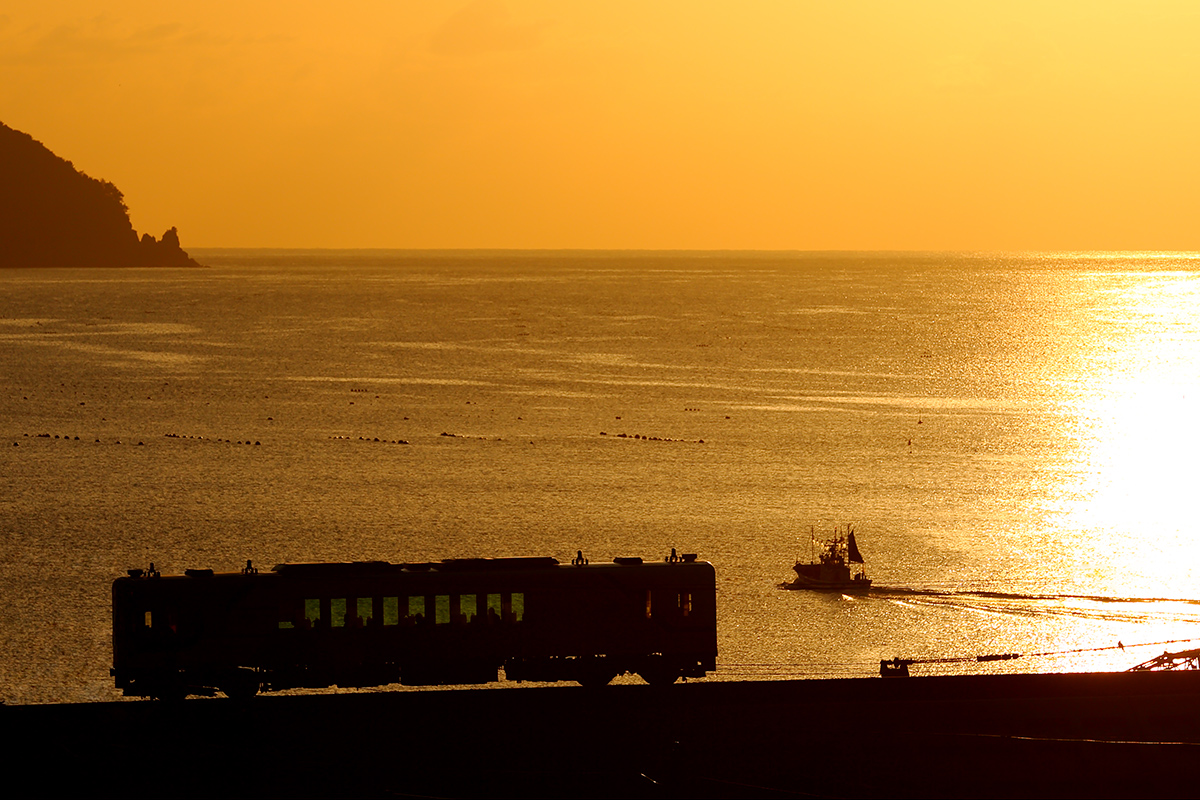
[217, 439]
[645, 438]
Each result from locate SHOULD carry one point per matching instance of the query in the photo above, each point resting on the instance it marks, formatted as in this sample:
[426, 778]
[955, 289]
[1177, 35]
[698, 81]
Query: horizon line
[654, 250]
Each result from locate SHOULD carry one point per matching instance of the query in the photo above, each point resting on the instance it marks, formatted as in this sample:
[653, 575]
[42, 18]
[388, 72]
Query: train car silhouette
[457, 621]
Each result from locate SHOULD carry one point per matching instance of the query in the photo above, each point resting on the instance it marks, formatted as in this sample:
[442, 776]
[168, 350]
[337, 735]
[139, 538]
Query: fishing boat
[838, 569]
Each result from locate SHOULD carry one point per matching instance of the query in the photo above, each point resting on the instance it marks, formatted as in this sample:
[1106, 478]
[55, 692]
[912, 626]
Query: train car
[457, 621]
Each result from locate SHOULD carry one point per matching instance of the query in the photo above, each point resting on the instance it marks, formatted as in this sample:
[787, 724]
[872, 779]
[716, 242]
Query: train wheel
[173, 693]
[594, 676]
[241, 684]
[658, 672]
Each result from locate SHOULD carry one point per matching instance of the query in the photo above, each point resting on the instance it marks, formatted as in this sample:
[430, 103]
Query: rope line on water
[811, 668]
[1008, 656]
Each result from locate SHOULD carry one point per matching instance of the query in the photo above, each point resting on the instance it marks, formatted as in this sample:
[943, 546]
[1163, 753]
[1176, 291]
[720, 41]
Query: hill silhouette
[53, 215]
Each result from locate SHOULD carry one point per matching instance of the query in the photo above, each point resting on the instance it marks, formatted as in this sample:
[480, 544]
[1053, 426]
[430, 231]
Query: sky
[656, 124]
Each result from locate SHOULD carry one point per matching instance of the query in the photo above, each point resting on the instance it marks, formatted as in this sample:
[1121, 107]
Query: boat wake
[1081, 606]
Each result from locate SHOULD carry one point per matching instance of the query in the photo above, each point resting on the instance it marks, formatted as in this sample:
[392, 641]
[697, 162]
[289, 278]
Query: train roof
[448, 565]
[445, 565]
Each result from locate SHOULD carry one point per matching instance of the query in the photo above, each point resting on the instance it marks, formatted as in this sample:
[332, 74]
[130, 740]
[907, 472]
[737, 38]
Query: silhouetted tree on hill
[52, 215]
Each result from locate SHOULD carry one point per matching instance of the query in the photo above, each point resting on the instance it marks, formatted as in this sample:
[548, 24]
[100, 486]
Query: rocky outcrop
[53, 215]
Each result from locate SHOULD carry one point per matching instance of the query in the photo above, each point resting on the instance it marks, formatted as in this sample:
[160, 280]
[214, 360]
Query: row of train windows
[441, 609]
[682, 603]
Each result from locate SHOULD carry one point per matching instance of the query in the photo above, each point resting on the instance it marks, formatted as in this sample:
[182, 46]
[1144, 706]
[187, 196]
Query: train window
[466, 608]
[647, 604]
[312, 612]
[441, 609]
[685, 603]
[337, 612]
[366, 610]
[416, 607]
[149, 619]
[291, 614]
[512, 607]
[495, 609]
[391, 610]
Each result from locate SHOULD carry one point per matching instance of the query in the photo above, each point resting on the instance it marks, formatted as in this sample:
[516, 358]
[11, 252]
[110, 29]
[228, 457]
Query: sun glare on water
[1137, 420]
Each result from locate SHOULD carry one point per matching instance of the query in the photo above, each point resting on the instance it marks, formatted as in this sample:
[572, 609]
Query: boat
[838, 569]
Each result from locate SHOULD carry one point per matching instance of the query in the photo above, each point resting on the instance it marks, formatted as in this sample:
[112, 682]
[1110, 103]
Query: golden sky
[836, 124]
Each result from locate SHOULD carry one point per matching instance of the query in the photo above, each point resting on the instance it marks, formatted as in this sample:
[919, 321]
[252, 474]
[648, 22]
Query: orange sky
[667, 124]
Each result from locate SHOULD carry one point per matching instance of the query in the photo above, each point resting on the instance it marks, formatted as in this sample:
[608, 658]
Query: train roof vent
[689, 557]
[198, 573]
[466, 564]
[627, 561]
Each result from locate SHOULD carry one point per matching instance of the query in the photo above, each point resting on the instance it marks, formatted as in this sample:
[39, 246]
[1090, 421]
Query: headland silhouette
[53, 215]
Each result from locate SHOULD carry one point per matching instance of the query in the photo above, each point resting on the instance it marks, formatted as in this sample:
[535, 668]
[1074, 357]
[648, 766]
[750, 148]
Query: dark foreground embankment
[1100, 735]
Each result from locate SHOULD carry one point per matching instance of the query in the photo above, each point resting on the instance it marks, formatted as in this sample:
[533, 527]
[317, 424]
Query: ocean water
[1012, 436]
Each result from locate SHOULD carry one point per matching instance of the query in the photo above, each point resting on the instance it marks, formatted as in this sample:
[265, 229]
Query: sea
[1012, 437]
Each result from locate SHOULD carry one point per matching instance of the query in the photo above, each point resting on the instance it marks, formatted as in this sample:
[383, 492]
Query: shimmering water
[1012, 436]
